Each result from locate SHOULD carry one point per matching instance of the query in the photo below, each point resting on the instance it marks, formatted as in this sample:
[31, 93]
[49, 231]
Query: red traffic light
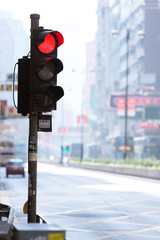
[46, 66]
[48, 45]
[49, 41]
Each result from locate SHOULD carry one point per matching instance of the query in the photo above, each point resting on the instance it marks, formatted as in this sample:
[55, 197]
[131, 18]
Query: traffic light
[45, 67]
[66, 149]
[61, 148]
[23, 85]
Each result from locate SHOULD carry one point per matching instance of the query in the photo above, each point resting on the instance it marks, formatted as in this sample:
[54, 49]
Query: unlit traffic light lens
[47, 72]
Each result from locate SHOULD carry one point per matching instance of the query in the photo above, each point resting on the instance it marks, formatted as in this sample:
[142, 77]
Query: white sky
[53, 14]
[81, 12]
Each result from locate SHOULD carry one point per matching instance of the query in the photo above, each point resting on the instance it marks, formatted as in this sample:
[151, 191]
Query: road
[90, 205]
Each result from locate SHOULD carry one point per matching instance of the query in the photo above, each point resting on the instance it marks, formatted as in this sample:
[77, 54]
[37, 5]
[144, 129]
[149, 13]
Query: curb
[132, 171]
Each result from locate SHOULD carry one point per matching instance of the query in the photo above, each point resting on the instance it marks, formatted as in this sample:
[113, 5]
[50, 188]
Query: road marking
[130, 233]
[113, 218]
[96, 207]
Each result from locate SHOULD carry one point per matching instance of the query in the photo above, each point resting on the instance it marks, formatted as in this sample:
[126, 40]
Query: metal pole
[82, 129]
[32, 144]
[62, 132]
[82, 133]
[126, 98]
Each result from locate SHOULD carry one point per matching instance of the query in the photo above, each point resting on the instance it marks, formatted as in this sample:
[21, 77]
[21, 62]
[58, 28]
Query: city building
[14, 44]
[127, 64]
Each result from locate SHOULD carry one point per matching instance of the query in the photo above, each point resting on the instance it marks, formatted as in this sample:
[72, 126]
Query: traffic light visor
[59, 37]
[46, 97]
[55, 92]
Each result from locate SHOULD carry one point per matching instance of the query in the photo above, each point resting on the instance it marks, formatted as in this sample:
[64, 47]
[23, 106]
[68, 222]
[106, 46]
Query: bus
[120, 147]
[147, 147]
[76, 150]
[116, 147]
[7, 151]
[92, 151]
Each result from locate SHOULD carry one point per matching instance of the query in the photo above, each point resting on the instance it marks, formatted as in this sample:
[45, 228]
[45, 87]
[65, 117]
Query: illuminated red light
[48, 45]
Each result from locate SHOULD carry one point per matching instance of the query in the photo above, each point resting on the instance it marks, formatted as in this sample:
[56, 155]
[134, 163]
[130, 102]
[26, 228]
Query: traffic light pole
[32, 144]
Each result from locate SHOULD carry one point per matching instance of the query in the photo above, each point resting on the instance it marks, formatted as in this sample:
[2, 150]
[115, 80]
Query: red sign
[140, 101]
[149, 126]
[3, 104]
[62, 130]
[82, 119]
[130, 106]
[130, 103]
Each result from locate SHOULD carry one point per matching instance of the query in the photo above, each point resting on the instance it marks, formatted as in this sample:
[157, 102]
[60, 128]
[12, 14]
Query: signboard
[140, 101]
[11, 112]
[152, 113]
[149, 126]
[130, 107]
[3, 104]
[8, 87]
[62, 129]
[82, 119]
[45, 123]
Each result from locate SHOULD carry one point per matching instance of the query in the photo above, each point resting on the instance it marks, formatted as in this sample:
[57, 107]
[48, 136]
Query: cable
[14, 84]
[28, 55]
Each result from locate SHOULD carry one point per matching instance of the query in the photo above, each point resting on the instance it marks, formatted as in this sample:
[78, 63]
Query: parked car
[15, 167]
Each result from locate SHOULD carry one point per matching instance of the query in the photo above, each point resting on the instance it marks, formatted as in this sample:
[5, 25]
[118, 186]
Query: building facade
[128, 56]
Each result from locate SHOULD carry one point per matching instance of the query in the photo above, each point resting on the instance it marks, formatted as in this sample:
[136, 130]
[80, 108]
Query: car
[15, 167]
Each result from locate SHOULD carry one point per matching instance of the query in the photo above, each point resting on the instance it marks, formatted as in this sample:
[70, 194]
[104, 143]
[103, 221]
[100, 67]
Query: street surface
[90, 205]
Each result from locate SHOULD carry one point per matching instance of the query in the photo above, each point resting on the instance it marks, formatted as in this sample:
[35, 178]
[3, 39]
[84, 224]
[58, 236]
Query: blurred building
[14, 44]
[90, 94]
[116, 56]
[140, 19]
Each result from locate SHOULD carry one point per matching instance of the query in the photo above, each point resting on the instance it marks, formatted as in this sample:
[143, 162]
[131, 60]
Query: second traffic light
[44, 69]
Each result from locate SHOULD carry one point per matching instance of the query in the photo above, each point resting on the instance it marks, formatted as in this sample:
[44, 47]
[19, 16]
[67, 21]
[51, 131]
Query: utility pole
[32, 144]
[126, 99]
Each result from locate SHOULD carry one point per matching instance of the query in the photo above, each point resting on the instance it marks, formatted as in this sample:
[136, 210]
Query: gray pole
[62, 132]
[82, 129]
[32, 144]
[126, 98]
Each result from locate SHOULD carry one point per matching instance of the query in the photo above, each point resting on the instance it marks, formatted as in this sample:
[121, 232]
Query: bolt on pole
[32, 144]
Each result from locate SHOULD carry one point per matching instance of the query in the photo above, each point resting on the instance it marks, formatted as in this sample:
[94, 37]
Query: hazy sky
[81, 12]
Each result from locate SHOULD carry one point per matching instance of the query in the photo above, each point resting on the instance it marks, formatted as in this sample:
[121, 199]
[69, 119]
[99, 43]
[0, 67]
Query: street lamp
[141, 35]
[126, 98]
[115, 34]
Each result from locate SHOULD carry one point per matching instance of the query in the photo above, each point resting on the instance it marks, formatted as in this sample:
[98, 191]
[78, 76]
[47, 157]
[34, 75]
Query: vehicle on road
[117, 146]
[7, 151]
[147, 147]
[75, 150]
[15, 167]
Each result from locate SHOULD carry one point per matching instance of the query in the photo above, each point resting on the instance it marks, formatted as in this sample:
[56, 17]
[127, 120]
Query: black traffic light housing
[23, 85]
[44, 69]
